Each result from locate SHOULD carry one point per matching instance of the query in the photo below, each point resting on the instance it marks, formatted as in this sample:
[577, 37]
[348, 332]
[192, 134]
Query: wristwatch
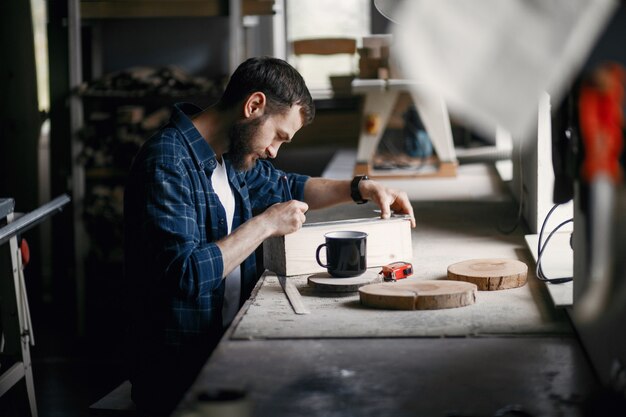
[354, 189]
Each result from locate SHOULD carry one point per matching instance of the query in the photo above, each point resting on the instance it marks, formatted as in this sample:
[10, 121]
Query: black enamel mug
[346, 253]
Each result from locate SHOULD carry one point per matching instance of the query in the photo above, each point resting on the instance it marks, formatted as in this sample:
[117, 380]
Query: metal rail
[33, 218]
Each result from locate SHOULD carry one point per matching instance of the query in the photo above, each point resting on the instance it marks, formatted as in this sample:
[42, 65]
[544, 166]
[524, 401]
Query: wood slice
[418, 295]
[490, 274]
[325, 283]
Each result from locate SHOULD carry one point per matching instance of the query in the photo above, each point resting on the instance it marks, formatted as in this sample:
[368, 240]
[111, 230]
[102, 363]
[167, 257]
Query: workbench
[511, 350]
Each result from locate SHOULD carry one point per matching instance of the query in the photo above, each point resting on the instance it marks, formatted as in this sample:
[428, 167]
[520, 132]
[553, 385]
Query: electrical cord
[541, 248]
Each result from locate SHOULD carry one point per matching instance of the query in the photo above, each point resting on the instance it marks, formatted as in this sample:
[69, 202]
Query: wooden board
[323, 282]
[490, 274]
[293, 295]
[294, 254]
[418, 295]
[116, 9]
[324, 46]
[435, 170]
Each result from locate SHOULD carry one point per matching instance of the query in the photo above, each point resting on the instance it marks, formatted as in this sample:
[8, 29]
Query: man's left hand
[388, 199]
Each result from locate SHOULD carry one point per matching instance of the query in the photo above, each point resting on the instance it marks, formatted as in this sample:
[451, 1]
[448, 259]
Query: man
[190, 234]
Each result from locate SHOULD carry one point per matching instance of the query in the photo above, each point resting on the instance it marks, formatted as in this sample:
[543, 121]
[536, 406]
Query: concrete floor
[404, 377]
[70, 371]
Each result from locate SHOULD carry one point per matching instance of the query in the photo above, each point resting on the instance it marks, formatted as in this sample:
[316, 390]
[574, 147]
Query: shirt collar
[200, 149]
[237, 178]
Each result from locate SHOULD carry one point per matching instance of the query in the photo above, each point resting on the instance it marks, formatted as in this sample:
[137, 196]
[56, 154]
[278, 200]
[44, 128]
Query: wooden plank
[113, 9]
[377, 109]
[436, 169]
[433, 113]
[293, 295]
[294, 254]
[257, 7]
[324, 46]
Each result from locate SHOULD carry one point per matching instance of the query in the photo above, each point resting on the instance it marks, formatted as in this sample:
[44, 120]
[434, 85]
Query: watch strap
[354, 189]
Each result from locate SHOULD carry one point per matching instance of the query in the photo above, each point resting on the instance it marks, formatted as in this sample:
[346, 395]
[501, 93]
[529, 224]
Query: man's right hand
[278, 220]
[285, 218]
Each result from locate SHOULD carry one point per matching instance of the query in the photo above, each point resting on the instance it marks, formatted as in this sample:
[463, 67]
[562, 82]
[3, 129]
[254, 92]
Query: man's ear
[254, 106]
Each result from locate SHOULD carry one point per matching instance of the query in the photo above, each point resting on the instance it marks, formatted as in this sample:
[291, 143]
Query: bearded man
[190, 233]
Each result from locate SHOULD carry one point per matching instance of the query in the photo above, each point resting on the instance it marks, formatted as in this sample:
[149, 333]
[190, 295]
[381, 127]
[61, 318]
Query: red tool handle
[25, 250]
[601, 122]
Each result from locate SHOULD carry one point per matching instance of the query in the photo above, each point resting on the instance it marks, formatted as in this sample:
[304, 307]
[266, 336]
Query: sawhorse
[380, 98]
[16, 334]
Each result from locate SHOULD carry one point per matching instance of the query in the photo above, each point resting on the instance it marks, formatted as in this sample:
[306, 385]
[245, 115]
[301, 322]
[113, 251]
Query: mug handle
[317, 255]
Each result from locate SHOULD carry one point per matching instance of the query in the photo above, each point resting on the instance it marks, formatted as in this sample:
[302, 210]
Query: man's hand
[388, 199]
[285, 218]
[324, 192]
[278, 220]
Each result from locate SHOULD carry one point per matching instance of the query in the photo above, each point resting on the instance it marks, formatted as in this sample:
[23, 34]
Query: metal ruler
[293, 295]
[393, 216]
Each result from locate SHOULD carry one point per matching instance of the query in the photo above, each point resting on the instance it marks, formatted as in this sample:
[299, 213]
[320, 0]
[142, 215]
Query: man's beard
[241, 136]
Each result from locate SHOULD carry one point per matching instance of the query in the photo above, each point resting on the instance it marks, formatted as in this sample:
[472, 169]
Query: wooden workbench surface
[511, 349]
[518, 311]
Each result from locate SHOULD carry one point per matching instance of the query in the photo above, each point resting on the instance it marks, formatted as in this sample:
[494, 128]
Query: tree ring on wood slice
[418, 295]
[490, 274]
[324, 282]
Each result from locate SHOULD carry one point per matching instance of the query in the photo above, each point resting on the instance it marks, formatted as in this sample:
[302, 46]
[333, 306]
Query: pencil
[286, 190]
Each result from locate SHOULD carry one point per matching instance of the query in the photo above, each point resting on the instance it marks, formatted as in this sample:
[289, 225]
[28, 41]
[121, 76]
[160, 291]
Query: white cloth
[232, 292]
[491, 60]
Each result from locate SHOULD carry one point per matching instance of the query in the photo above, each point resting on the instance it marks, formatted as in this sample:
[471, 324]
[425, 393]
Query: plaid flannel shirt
[172, 220]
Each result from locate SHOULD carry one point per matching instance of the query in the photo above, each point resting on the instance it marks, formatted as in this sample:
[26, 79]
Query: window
[41, 52]
[326, 19]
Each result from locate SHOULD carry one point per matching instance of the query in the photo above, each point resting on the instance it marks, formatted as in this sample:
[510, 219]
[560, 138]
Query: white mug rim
[345, 234]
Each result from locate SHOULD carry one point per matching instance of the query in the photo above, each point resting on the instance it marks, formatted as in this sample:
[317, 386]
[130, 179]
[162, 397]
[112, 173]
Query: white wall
[537, 174]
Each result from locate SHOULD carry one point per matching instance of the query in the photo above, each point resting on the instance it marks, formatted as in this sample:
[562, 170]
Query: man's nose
[272, 151]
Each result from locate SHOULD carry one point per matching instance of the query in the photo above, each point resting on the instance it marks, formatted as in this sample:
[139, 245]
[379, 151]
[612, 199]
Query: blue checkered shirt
[172, 220]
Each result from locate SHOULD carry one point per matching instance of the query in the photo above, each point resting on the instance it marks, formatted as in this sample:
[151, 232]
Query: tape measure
[396, 270]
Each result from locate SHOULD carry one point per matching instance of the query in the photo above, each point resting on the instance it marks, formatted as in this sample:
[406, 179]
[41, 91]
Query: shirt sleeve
[266, 186]
[172, 233]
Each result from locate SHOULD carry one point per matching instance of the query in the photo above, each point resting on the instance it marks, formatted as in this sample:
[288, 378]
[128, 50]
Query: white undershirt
[232, 291]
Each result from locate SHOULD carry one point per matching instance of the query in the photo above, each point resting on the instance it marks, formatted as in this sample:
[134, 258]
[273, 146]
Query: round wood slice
[418, 295]
[326, 283]
[490, 274]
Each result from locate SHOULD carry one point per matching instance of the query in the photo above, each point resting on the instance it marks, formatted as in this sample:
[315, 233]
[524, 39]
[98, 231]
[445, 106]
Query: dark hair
[282, 85]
